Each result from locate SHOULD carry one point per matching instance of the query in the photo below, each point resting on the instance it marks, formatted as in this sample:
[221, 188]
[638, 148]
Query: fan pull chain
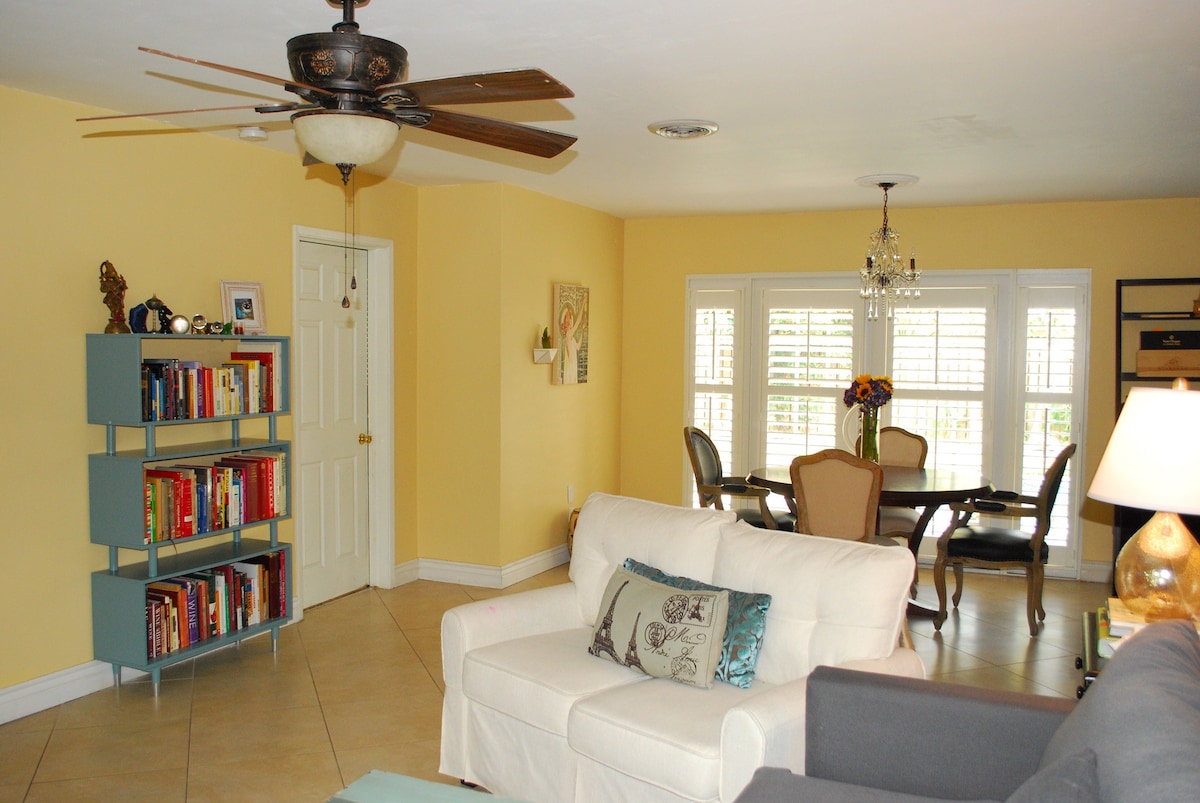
[354, 232]
[345, 245]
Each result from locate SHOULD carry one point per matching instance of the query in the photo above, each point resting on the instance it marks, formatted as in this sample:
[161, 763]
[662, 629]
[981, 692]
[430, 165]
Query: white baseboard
[54, 689]
[471, 574]
[1096, 571]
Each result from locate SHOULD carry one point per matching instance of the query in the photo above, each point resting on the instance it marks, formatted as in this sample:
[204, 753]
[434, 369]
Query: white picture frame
[242, 305]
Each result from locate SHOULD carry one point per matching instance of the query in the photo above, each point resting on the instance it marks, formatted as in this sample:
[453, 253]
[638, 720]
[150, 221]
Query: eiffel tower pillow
[663, 631]
[744, 628]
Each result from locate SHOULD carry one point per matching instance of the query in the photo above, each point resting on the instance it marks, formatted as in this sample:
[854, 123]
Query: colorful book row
[214, 493]
[177, 390]
[192, 608]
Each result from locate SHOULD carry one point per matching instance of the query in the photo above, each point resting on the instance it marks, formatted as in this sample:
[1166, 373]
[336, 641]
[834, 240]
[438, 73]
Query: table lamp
[1152, 461]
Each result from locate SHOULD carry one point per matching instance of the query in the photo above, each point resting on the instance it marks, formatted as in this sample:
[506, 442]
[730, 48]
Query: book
[252, 374]
[1122, 620]
[271, 354]
[278, 469]
[254, 490]
[1158, 339]
[253, 599]
[181, 496]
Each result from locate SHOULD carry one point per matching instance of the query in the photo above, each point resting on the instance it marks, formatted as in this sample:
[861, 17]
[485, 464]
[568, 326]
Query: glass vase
[869, 434]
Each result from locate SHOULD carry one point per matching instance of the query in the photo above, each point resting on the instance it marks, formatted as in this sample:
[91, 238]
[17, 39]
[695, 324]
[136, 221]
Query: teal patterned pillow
[743, 632]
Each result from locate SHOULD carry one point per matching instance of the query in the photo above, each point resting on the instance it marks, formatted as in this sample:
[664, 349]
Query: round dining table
[925, 488]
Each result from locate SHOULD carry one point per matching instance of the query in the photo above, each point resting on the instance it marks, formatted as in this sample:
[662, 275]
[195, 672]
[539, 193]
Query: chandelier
[886, 275]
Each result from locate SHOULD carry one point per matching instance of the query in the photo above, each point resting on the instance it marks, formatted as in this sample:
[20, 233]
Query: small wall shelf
[544, 355]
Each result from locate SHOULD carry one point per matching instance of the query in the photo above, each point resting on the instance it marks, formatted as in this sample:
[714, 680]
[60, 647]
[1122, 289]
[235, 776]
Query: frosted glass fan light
[345, 138]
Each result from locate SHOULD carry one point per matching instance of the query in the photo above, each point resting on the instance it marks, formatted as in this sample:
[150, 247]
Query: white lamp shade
[1153, 458]
[349, 138]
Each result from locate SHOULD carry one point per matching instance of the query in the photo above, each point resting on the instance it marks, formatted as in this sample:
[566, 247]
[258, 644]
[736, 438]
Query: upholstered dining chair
[712, 485]
[837, 495]
[899, 447]
[986, 547]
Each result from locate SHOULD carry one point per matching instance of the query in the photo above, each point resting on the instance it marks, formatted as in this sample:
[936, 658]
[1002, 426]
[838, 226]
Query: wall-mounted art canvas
[571, 334]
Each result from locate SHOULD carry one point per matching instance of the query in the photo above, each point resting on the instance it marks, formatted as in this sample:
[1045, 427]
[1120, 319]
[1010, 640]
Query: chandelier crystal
[886, 275]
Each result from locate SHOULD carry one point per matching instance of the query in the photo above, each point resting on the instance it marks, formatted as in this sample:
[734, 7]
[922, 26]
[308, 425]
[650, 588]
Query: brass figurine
[112, 284]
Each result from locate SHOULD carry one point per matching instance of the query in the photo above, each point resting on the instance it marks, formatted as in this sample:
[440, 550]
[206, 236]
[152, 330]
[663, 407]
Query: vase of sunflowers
[868, 393]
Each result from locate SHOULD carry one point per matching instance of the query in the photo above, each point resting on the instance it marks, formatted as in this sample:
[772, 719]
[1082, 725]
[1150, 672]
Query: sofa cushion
[661, 630]
[833, 601]
[1142, 717]
[538, 678]
[610, 528]
[664, 733]
[744, 627]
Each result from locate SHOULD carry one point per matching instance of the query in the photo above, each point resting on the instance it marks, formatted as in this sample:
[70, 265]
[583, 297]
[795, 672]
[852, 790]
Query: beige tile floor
[357, 686]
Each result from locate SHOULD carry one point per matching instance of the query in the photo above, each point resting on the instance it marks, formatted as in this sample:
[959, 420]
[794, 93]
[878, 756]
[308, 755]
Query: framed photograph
[242, 305]
[571, 334]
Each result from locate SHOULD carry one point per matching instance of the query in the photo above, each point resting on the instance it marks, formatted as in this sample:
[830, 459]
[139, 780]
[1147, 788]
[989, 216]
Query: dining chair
[712, 485]
[987, 547]
[899, 447]
[837, 495]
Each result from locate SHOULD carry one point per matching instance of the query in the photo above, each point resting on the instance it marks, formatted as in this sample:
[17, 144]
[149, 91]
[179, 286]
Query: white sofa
[530, 714]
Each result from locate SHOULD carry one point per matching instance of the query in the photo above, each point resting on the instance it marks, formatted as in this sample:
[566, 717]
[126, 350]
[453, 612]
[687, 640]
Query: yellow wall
[553, 436]
[1116, 240]
[175, 211]
[498, 443]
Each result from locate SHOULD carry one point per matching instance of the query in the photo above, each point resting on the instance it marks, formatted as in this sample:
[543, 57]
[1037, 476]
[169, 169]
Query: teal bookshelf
[119, 499]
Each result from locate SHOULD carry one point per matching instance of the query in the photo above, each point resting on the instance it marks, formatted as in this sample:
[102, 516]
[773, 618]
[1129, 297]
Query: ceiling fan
[353, 101]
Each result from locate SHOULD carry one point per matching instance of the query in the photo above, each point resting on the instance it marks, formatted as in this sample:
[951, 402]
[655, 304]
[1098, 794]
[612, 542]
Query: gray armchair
[1134, 736]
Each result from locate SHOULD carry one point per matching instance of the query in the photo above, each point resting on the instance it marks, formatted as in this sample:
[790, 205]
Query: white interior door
[331, 389]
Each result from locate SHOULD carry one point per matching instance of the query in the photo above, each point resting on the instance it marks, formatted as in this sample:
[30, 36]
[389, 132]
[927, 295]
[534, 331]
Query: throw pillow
[663, 631]
[744, 628]
[1142, 717]
[1071, 779]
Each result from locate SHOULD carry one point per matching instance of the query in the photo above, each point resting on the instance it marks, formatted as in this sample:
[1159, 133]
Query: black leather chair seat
[993, 544]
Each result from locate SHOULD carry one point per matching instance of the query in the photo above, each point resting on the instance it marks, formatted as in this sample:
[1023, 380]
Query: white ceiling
[987, 102]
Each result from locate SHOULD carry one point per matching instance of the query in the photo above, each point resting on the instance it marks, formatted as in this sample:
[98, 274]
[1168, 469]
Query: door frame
[380, 394]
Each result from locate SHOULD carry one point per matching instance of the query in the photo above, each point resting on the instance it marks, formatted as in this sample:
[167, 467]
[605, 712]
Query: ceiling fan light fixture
[684, 129]
[345, 137]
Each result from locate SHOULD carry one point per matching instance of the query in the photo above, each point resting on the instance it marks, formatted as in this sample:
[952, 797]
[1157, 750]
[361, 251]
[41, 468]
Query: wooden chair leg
[1030, 603]
[958, 583]
[939, 583]
[1033, 597]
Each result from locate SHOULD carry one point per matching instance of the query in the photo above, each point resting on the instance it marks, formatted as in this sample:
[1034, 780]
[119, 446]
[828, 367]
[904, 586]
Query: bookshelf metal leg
[275, 640]
[117, 677]
[156, 677]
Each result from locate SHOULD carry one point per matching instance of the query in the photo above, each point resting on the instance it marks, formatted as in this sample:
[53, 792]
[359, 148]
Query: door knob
[364, 439]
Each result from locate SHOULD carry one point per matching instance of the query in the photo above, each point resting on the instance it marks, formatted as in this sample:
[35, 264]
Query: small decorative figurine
[162, 311]
[112, 284]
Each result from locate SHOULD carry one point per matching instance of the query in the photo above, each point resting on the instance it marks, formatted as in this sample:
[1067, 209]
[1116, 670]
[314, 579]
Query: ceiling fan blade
[289, 85]
[258, 107]
[501, 133]
[486, 87]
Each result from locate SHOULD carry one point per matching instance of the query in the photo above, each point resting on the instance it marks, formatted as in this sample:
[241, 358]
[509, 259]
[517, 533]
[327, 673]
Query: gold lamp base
[1158, 570]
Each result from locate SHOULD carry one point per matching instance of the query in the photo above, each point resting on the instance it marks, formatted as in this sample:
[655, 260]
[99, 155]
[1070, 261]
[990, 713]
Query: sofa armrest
[923, 737]
[490, 621]
[769, 728]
